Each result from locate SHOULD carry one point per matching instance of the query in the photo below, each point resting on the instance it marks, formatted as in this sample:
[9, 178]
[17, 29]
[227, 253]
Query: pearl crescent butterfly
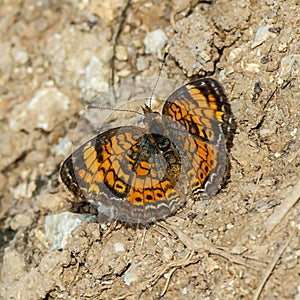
[143, 174]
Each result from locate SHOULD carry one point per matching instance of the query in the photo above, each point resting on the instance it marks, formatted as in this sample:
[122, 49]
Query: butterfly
[143, 174]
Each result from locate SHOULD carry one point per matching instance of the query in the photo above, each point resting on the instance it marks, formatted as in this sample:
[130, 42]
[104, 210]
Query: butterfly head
[152, 119]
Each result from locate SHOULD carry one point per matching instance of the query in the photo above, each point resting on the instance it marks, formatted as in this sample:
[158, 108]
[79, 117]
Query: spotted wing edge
[226, 130]
[206, 86]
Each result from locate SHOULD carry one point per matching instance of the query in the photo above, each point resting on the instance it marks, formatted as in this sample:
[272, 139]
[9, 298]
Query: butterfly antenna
[91, 106]
[160, 70]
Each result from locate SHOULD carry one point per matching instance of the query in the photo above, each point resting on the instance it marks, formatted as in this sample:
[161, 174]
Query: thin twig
[282, 209]
[115, 37]
[271, 267]
[203, 244]
[171, 267]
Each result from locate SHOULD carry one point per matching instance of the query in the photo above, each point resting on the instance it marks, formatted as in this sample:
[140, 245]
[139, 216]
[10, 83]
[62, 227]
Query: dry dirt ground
[55, 56]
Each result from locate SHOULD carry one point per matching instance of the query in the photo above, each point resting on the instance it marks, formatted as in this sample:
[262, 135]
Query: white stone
[289, 65]
[155, 42]
[63, 147]
[142, 63]
[119, 247]
[262, 34]
[131, 275]
[121, 53]
[59, 227]
[43, 111]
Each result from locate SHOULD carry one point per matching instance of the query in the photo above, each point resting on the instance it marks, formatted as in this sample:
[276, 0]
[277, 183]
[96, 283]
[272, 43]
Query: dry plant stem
[168, 281]
[187, 261]
[124, 296]
[204, 244]
[281, 210]
[116, 35]
[172, 266]
[271, 266]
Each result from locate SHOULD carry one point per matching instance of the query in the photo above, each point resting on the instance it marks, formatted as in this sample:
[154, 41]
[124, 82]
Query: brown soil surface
[55, 56]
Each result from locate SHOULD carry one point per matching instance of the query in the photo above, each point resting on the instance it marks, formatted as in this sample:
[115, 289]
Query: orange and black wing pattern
[125, 175]
[139, 175]
[199, 117]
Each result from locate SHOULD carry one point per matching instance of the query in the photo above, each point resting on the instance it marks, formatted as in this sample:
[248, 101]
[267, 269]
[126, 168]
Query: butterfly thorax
[159, 145]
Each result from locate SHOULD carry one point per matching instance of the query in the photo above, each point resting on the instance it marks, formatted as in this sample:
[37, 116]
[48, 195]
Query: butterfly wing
[198, 116]
[124, 175]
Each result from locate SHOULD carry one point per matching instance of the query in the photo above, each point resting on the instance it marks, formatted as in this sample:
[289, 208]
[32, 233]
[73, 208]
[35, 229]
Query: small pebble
[121, 53]
[262, 34]
[59, 227]
[155, 42]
